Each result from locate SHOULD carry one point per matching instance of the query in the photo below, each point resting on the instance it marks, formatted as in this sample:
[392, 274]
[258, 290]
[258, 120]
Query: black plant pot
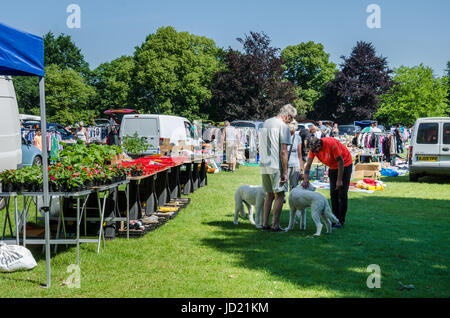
[8, 187]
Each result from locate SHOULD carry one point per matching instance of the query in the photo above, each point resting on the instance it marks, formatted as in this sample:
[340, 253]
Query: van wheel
[37, 161]
[413, 177]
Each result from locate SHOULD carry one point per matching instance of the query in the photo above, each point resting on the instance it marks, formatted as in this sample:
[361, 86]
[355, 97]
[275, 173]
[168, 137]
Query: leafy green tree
[173, 73]
[308, 68]
[113, 82]
[416, 93]
[27, 93]
[448, 79]
[64, 53]
[57, 50]
[68, 96]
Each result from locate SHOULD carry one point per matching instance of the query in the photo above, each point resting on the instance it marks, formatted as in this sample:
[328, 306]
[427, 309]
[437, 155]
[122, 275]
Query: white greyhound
[251, 196]
[300, 199]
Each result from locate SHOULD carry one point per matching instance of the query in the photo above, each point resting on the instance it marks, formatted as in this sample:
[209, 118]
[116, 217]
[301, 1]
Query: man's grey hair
[293, 125]
[288, 110]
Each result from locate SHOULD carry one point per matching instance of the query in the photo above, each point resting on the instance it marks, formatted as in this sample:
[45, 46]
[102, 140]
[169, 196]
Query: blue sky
[411, 31]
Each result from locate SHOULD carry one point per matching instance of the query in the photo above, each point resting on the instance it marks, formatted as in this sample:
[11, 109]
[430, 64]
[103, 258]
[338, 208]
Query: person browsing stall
[37, 141]
[338, 158]
[295, 161]
[274, 140]
[82, 133]
[230, 139]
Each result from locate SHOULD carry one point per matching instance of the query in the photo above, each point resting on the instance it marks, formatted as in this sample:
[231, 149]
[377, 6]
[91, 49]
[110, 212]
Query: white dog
[300, 199]
[251, 196]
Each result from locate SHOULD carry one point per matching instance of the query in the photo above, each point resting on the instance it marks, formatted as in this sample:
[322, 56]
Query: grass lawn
[405, 229]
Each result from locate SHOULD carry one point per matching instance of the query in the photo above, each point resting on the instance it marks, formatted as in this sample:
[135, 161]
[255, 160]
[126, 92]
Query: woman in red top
[337, 157]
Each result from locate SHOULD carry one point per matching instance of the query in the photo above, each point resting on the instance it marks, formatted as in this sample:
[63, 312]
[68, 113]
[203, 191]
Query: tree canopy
[173, 73]
[416, 93]
[354, 93]
[68, 96]
[62, 51]
[113, 82]
[252, 86]
[309, 69]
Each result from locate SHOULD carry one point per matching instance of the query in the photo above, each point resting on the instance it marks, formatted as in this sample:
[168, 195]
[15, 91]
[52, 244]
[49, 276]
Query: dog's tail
[330, 214]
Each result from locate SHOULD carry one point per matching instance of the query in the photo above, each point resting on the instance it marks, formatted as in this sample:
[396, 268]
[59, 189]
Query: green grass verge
[201, 253]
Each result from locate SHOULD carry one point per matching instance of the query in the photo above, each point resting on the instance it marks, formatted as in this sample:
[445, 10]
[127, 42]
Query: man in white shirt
[374, 128]
[315, 131]
[274, 140]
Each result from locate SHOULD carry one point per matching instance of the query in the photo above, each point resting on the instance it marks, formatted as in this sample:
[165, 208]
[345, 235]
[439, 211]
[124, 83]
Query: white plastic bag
[15, 257]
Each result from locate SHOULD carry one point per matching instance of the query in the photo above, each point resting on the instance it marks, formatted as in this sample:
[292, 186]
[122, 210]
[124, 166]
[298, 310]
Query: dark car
[348, 129]
[65, 135]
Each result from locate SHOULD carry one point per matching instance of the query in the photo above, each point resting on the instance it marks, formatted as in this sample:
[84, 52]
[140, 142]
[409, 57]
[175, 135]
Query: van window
[446, 134]
[143, 126]
[427, 133]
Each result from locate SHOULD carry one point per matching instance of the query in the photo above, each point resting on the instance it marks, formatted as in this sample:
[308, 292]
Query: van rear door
[145, 127]
[10, 134]
[445, 145]
[427, 140]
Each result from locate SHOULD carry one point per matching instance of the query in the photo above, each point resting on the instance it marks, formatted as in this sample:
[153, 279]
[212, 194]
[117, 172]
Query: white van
[429, 152]
[157, 127]
[10, 135]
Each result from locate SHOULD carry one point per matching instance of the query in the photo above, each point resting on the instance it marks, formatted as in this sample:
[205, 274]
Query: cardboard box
[166, 150]
[165, 142]
[366, 174]
[374, 166]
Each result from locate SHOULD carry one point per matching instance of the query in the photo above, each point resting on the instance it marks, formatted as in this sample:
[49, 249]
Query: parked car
[10, 137]
[348, 129]
[429, 151]
[157, 127]
[102, 122]
[257, 124]
[65, 135]
[306, 124]
[31, 155]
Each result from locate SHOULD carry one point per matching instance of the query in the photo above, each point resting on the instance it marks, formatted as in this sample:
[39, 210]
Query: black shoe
[279, 229]
[266, 228]
[337, 226]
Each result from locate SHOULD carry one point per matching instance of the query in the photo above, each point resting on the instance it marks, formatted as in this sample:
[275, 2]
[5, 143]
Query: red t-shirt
[332, 149]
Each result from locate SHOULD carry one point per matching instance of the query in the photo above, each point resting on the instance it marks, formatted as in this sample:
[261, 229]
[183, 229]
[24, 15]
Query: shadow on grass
[399, 234]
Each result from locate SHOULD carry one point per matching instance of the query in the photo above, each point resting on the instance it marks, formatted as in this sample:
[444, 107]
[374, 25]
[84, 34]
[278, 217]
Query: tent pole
[45, 208]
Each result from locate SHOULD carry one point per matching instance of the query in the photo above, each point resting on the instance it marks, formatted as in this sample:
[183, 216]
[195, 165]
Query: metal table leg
[128, 210]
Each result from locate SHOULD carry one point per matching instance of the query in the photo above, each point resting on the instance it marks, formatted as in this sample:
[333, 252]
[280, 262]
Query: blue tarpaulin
[363, 124]
[21, 53]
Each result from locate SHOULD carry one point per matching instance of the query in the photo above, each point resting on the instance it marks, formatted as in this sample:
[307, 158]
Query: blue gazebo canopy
[21, 53]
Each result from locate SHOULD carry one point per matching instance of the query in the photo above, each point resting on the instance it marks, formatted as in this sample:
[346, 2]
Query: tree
[253, 85]
[113, 82]
[173, 73]
[27, 93]
[308, 68]
[68, 96]
[354, 93]
[57, 50]
[416, 93]
[448, 80]
[64, 53]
